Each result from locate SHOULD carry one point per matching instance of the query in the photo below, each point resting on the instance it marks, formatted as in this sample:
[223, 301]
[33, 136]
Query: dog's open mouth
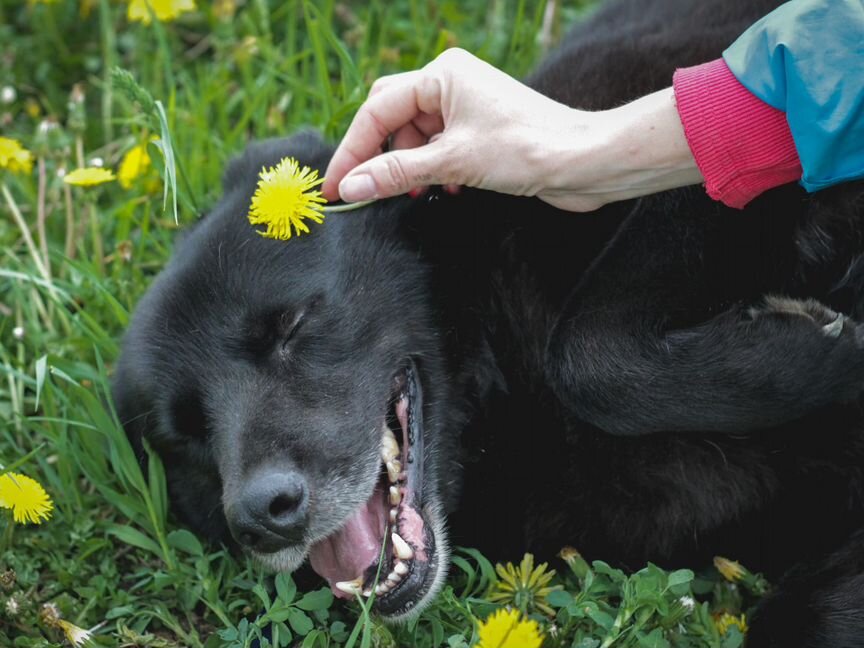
[352, 559]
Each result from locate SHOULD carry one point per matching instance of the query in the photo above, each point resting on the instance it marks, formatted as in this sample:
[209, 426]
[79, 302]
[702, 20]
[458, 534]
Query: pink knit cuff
[742, 145]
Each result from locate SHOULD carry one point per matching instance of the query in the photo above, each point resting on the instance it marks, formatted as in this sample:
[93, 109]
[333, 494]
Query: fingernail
[358, 187]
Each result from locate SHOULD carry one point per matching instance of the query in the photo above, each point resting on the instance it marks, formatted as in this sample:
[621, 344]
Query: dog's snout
[271, 511]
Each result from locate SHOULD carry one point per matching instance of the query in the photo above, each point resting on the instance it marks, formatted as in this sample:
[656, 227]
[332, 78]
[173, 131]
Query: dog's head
[295, 391]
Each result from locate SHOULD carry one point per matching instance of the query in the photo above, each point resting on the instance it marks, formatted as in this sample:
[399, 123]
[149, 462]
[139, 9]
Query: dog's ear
[133, 408]
[307, 147]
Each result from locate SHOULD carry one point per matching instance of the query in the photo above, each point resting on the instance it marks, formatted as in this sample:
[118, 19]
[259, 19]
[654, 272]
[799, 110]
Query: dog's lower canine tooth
[403, 549]
[394, 515]
[389, 446]
[350, 587]
[400, 568]
[395, 496]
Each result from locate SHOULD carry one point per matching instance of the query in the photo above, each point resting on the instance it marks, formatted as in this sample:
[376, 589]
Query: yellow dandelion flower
[89, 176]
[15, 157]
[76, 636]
[726, 621]
[524, 587]
[32, 108]
[85, 7]
[133, 165]
[26, 497]
[165, 10]
[732, 571]
[505, 629]
[283, 200]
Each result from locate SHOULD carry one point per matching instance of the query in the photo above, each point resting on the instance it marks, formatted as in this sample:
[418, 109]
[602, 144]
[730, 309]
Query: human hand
[461, 121]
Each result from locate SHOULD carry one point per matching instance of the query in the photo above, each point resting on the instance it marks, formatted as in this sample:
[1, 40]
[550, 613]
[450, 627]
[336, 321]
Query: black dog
[626, 381]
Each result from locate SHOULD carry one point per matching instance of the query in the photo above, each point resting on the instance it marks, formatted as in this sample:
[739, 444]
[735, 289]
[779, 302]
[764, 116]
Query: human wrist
[629, 151]
[648, 147]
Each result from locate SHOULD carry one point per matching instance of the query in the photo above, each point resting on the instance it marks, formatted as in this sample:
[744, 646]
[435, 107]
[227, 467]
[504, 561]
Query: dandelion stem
[96, 235]
[69, 247]
[335, 209]
[25, 233]
[40, 214]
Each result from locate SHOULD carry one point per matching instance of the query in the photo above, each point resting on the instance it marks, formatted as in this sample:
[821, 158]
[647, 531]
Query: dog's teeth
[393, 578]
[367, 593]
[400, 568]
[395, 496]
[382, 588]
[394, 515]
[403, 549]
[394, 468]
[350, 587]
[389, 446]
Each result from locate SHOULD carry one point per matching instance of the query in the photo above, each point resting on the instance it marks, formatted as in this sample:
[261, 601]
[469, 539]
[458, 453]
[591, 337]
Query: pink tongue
[346, 554]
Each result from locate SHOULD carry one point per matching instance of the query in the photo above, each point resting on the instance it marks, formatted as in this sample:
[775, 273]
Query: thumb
[397, 172]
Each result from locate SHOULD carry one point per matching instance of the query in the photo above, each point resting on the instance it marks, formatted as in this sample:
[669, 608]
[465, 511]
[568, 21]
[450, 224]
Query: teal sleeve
[806, 58]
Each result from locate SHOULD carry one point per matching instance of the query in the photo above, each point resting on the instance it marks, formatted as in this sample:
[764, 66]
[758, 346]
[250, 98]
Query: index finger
[381, 115]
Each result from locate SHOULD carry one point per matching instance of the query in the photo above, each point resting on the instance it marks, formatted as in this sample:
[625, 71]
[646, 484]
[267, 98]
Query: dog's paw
[830, 323]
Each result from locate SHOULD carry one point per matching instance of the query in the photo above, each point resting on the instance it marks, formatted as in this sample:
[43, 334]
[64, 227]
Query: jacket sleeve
[806, 58]
[742, 146]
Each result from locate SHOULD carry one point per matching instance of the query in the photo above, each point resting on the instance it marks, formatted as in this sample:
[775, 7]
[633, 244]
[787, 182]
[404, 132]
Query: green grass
[75, 261]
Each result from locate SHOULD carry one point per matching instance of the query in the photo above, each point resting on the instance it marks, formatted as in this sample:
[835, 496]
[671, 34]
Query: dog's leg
[817, 605]
[639, 349]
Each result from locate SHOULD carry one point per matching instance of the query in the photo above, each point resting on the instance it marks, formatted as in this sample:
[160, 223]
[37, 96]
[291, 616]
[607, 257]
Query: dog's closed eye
[289, 325]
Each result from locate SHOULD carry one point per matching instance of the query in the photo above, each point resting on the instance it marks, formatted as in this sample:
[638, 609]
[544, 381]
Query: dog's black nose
[271, 511]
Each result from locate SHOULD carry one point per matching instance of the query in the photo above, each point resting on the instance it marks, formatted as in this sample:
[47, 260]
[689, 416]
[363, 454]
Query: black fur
[619, 381]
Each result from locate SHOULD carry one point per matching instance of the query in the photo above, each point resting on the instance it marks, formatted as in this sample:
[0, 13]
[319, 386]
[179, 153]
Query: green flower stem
[621, 619]
[41, 215]
[96, 235]
[25, 232]
[69, 243]
[335, 209]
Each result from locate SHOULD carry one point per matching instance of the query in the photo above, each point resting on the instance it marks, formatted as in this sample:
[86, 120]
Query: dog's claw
[835, 328]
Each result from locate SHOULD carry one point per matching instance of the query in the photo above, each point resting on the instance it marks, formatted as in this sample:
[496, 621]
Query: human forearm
[633, 150]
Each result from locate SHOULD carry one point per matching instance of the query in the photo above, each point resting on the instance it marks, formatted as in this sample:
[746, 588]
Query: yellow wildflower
[26, 497]
[15, 157]
[89, 176]
[732, 571]
[504, 629]
[76, 636]
[225, 9]
[85, 7]
[726, 621]
[165, 10]
[133, 165]
[32, 108]
[283, 200]
[524, 587]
